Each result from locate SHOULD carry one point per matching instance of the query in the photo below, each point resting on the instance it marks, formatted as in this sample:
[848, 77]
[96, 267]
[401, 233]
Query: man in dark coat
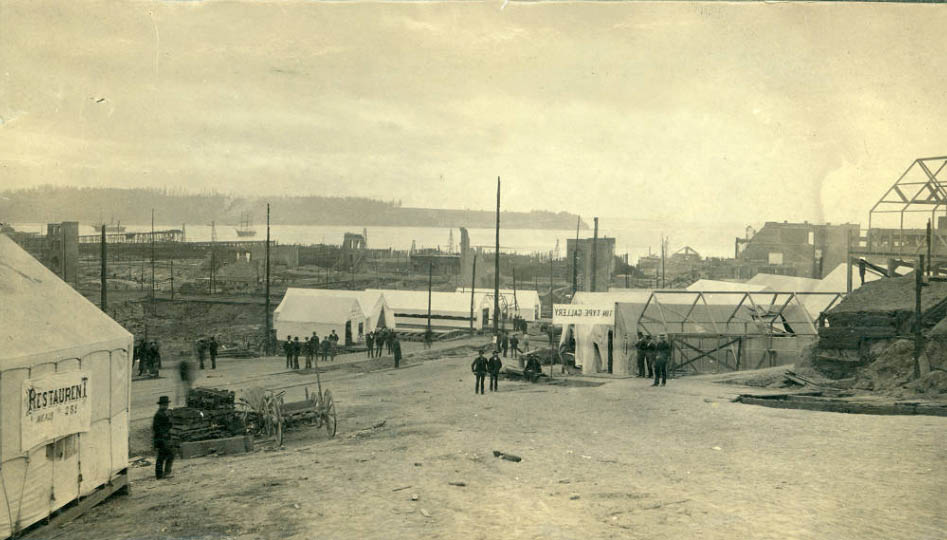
[505, 343]
[334, 344]
[370, 343]
[288, 350]
[326, 343]
[514, 345]
[493, 366]
[396, 349]
[212, 349]
[479, 369]
[297, 348]
[161, 439]
[641, 351]
[662, 354]
[201, 352]
[380, 341]
[154, 358]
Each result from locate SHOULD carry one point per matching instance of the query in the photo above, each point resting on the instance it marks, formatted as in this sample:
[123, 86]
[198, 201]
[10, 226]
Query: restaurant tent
[65, 388]
[300, 314]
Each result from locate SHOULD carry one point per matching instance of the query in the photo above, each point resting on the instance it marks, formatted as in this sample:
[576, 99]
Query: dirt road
[617, 460]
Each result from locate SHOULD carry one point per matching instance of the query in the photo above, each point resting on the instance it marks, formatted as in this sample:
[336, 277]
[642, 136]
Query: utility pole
[575, 258]
[213, 256]
[663, 252]
[266, 289]
[172, 279]
[430, 281]
[152, 260]
[473, 285]
[928, 247]
[104, 303]
[551, 299]
[594, 255]
[496, 272]
[918, 337]
[516, 305]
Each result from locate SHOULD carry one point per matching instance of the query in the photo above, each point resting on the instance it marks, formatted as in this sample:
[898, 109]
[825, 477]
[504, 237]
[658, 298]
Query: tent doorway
[348, 332]
[610, 349]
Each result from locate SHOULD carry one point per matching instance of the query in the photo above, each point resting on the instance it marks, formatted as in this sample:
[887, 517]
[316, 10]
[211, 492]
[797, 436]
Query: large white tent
[592, 341]
[300, 314]
[448, 309]
[525, 303]
[65, 389]
[374, 306]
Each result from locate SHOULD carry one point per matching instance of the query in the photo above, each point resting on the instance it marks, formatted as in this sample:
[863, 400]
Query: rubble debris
[508, 457]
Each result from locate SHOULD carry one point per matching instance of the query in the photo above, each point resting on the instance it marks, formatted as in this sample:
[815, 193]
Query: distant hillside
[133, 206]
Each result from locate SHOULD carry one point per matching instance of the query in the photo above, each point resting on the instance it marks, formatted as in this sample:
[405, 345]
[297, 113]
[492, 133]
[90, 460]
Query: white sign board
[55, 406]
[563, 314]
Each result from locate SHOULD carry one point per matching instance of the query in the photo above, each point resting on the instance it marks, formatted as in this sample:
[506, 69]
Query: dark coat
[479, 365]
[494, 364]
[161, 428]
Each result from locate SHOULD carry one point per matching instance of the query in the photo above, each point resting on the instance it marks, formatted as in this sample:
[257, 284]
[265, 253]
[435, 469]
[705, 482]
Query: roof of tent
[41, 314]
[627, 295]
[367, 300]
[299, 306]
[443, 302]
[524, 298]
[777, 282]
[715, 285]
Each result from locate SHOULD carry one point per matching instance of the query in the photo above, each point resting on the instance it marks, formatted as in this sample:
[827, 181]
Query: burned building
[794, 249]
[604, 265]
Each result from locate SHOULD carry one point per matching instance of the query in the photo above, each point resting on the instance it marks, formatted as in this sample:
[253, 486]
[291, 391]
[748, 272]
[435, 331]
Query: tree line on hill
[133, 206]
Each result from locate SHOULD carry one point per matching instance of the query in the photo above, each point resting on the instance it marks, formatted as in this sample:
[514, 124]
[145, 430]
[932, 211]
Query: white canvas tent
[374, 306]
[591, 341]
[300, 314]
[525, 303]
[448, 309]
[65, 389]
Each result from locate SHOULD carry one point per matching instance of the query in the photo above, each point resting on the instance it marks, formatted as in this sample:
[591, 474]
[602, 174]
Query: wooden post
[575, 258]
[152, 260]
[172, 279]
[594, 256]
[266, 289]
[430, 278]
[496, 272]
[104, 303]
[848, 262]
[918, 337]
[928, 268]
[473, 286]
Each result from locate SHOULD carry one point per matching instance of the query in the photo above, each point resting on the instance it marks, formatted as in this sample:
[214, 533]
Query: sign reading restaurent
[55, 406]
[563, 314]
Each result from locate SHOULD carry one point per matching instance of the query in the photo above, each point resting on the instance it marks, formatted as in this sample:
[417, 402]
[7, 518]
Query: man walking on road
[161, 439]
[641, 352]
[479, 369]
[212, 349]
[326, 343]
[662, 353]
[396, 350]
[505, 343]
[493, 366]
[201, 352]
[380, 341]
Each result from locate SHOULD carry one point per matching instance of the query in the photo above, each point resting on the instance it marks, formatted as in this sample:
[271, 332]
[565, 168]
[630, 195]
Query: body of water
[634, 237]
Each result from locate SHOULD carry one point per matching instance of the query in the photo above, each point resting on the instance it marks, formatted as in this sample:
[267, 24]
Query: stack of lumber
[210, 399]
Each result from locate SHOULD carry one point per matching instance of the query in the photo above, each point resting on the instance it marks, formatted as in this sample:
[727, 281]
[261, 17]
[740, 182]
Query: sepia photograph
[691, 257]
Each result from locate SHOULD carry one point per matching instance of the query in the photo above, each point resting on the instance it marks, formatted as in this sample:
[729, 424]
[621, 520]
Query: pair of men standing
[654, 355]
[481, 366]
[205, 347]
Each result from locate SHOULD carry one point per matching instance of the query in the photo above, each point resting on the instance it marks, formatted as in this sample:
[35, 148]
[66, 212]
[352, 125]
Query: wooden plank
[119, 483]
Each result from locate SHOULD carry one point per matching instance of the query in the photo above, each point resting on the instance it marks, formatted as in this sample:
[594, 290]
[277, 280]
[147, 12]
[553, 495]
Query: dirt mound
[889, 295]
[934, 382]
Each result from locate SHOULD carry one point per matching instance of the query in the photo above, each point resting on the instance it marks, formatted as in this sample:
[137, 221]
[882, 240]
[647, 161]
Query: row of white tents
[759, 309]
[352, 314]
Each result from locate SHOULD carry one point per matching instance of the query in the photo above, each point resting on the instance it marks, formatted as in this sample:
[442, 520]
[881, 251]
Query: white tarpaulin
[563, 314]
[55, 406]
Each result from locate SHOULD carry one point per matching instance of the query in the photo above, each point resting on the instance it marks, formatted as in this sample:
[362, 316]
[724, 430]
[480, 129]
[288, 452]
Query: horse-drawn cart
[266, 415]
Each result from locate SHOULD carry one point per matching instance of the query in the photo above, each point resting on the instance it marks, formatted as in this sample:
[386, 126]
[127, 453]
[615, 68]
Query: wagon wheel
[316, 406]
[328, 413]
[277, 414]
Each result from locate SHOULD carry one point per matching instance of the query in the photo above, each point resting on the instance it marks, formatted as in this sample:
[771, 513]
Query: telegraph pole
[575, 258]
[266, 289]
[152, 259]
[473, 286]
[104, 303]
[918, 336]
[172, 279]
[594, 255]
[430, 281]
[496, 272]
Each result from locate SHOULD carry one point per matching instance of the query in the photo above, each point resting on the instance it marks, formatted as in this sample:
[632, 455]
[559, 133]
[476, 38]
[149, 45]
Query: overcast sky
[696, 112]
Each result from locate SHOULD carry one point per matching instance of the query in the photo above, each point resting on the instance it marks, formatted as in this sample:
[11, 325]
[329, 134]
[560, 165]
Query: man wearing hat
[662, 353]
[493, 367]
[479, 369]
[161, 437]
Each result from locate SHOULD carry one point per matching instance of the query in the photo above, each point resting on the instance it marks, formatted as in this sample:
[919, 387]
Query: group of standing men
[207, 347]
[481, 366]
[508, 343]
[311, 348]
[379, 339]
[653, 357]
[148, 355]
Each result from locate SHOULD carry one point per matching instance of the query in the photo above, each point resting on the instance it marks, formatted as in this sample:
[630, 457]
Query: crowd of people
[653, 356]
[310, 349]
[148, 355]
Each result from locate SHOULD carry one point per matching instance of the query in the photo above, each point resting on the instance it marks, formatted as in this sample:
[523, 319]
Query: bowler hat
[163, 400]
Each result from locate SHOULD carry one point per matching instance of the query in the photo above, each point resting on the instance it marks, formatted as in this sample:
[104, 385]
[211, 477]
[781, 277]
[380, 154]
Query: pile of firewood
[210, 399]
